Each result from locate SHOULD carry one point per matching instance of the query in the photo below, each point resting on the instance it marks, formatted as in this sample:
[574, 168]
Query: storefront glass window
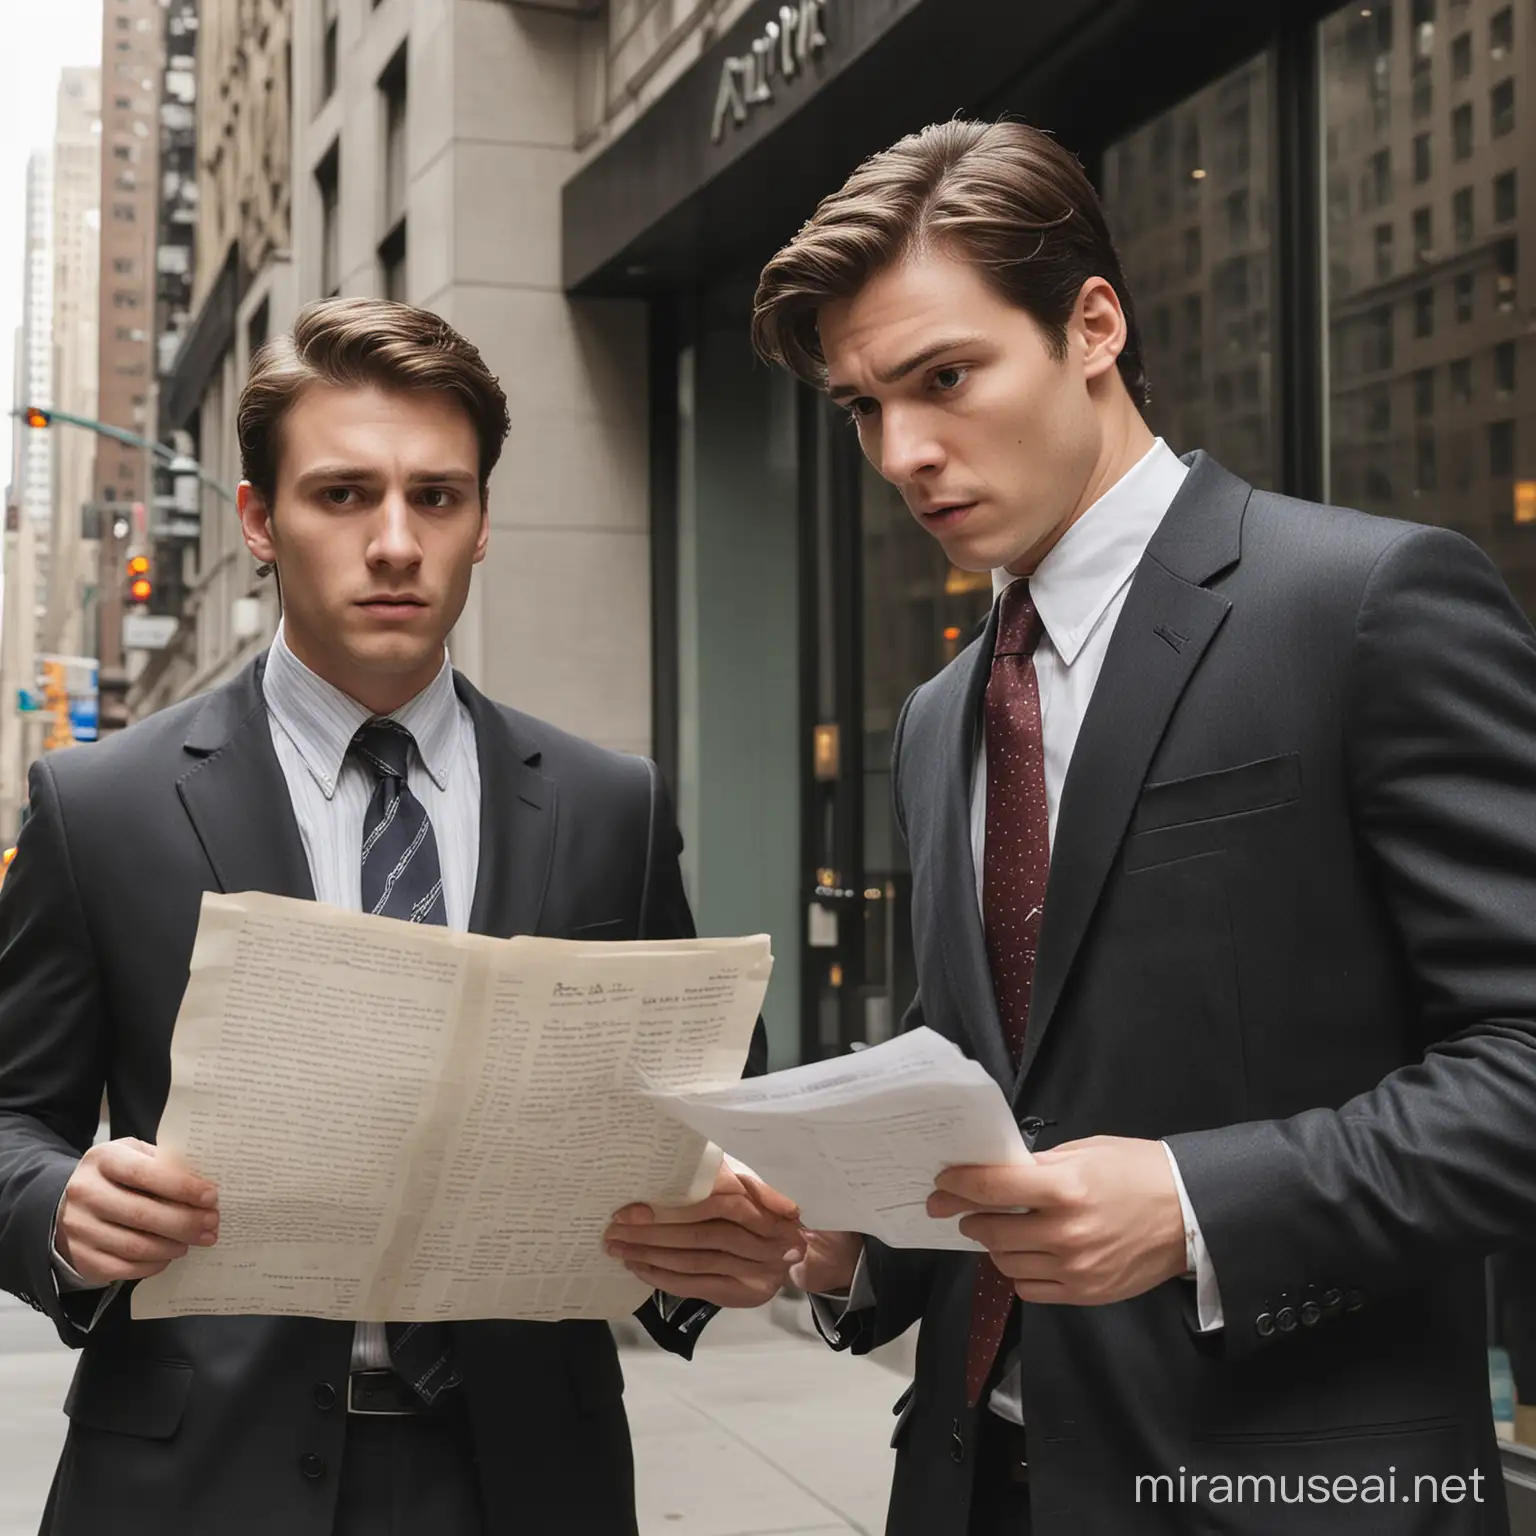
[1431, 410]
[1190, 197]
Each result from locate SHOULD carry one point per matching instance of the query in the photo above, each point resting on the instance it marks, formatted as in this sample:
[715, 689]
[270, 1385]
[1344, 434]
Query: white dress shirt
[1079, 590]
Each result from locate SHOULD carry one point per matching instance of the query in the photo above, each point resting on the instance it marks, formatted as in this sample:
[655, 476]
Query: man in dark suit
[1223, 841]
[351, 763]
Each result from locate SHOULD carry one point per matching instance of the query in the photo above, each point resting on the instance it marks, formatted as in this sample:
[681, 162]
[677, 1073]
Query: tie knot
[1018, 622]
[385, 746]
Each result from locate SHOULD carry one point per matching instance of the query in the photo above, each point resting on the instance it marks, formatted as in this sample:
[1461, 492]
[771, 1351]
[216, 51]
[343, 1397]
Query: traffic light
[36, 416]
[140, 587]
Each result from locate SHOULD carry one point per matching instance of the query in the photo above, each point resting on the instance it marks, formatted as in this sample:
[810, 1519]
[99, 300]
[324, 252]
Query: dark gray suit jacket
[208, 1424]
[1291, 927]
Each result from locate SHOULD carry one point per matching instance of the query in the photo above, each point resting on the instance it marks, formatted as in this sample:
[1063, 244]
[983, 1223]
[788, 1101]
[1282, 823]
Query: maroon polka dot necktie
[1015, 864]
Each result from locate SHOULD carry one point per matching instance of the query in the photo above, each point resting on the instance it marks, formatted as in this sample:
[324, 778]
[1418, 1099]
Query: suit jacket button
[1264, 1325]
[311, 1466]
[1333, 1300]
[1311, 1313]
[1285, 1319]
[1354, 1301]
[325, 1396]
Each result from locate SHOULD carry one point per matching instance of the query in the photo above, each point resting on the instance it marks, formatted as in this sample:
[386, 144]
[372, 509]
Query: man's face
[377, 526]
[959, 403]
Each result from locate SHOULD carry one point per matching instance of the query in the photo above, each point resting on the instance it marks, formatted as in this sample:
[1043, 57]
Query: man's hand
[733, 1249]
[128, 1210]
[830, 1263]
[1102, 1224]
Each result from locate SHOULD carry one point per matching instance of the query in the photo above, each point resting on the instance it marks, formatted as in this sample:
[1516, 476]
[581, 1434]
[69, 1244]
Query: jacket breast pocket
[129, 1395]
[1178, 818]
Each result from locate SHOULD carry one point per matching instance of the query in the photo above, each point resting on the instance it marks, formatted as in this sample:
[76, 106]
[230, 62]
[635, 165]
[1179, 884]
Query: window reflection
[1431, 409]
[1189, 198]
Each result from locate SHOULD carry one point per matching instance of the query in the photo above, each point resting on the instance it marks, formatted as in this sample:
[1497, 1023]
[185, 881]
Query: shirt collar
[320, 720]
[1074, 585]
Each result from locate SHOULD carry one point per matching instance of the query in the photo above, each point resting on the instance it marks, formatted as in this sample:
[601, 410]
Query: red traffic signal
[35, 416]
[139, 585]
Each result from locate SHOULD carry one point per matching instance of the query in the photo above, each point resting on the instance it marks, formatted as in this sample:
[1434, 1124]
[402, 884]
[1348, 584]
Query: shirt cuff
[69, 1282]
[831, 1309]
[1197, 1258]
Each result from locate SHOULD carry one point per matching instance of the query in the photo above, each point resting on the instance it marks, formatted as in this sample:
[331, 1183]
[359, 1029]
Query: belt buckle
[373, 1413]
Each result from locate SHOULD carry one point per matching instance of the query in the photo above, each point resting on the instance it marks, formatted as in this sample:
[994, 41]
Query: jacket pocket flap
[129, 1396]
[1228, 792]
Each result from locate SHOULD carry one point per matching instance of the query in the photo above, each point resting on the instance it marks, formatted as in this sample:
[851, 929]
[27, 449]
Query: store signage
[148, 631]
[786, 47]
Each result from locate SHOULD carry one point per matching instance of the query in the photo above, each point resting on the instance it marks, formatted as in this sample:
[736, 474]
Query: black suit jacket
[208, 1424]
[1291, 927]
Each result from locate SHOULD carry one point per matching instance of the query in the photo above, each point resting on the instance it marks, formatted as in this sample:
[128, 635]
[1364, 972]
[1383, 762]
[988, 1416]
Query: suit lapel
[964, 942]
[236, 797]
[1169, 619]
[517, 822]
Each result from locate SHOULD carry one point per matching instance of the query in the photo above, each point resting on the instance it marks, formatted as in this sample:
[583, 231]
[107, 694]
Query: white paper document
[858, 1141]
[411, 1124]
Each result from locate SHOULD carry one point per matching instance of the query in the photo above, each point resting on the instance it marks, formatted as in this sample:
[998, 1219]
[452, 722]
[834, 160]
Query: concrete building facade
[69, 625]
[132, 55]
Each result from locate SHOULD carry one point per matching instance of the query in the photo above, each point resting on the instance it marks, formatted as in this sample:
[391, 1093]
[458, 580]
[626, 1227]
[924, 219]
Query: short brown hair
[360, 342]
[1005, 196]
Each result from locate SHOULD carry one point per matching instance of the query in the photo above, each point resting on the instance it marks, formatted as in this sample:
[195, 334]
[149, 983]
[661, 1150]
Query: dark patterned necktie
[403, 878]
[1015, 864]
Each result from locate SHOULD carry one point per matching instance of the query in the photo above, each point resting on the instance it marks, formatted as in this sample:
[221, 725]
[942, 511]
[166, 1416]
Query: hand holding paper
[859, 1141]
[733, 1249]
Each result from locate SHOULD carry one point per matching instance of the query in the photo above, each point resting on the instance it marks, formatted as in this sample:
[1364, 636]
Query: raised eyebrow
[442, 477]
[339, 472]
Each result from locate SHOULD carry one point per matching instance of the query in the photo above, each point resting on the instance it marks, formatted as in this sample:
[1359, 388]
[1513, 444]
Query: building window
[1383, 252]
[1423, 235]
[1501, 33]
[1502, 105]
[1461, 131]
[392, 87]
[1208, 290]
[1461, 56]
[1423, 164]
[1463, 291]
[122, 265]
[1424, 467]
[328, 183]
[122, 152]
[1504, 197]
[1506, 265]
[1378, 185]
[123, 104]
[1424, 312]
[1378, 339]
[1424, 392]
[1504, 368]
[1501, 448]
[1461, 381]
[392, 263]
[328, 49]
[123, 212]
[1461, 216]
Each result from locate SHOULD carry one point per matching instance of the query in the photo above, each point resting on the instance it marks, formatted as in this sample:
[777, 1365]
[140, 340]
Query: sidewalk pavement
[764, 1433]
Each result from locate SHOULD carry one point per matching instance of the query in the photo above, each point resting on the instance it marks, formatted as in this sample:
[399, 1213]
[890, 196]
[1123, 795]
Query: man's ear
[485, 531]
[255, 522]
[1101, 323]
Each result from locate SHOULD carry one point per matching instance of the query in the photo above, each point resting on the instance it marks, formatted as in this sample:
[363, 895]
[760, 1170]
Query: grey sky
[39, 40]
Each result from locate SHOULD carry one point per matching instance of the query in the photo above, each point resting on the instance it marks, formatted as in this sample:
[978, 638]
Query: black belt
[382, 1394]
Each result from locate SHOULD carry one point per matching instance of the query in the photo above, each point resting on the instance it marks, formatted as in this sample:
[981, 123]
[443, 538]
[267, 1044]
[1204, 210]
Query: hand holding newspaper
[412, 1124]
[858, 1141]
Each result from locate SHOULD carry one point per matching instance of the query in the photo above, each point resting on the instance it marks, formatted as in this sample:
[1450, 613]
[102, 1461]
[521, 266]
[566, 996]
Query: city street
[765, 1433]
